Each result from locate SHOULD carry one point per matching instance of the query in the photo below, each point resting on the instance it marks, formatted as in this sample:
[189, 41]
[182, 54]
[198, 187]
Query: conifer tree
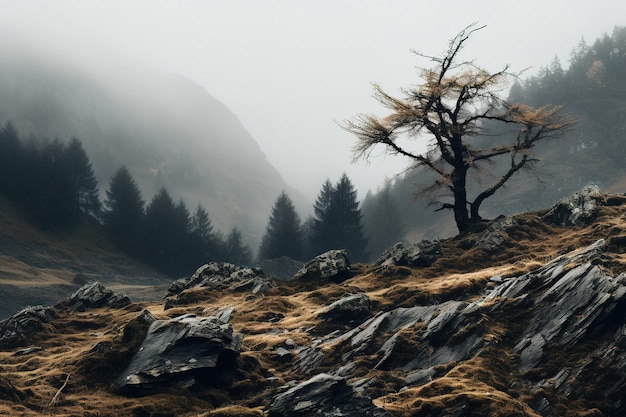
[322, 226]
[206, 242]
[124, 210]
[84, 186]
[338, 220]
[235, 251]
[283, 235]
[345, 209]
[11, 161]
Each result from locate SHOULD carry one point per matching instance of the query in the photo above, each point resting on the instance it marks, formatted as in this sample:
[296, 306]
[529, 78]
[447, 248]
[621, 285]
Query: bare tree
[453, 105]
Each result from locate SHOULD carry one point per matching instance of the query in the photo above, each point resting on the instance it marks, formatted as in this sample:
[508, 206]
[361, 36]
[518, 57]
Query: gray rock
[333, 265]
[576, 210]
[95, 295]
[418, 255]
[220, 276]
[183, 351]
[323, 395]
[347, 308]
[19, 329]
[570, 298]
[494, 236]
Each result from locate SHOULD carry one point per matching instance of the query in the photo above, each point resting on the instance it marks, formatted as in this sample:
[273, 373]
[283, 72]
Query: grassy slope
[41, 267]
[28, 384]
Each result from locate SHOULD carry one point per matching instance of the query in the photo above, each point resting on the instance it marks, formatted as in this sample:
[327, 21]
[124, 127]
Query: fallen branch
[56, 396]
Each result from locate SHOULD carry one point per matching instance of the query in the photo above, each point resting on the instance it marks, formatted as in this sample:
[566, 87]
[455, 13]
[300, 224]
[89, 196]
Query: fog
[291, 70]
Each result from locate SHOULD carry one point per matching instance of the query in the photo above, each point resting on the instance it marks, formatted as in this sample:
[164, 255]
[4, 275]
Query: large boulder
[217, 276]
[323, 395]
[184, 351]
[421, 254]
[18, 330]
[576, 210]
[95, 295]
[332, 265]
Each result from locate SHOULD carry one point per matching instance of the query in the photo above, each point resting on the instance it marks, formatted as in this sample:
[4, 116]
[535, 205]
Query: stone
[348, 308]
[216, 276]
[323, 395]
[18, 330]
[95, 295]
[494, 236]
[418, 255]
[576, 210]
[332, 265]
[184, 351]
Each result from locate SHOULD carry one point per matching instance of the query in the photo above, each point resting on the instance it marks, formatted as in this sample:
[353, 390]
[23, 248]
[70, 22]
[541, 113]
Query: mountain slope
[41, 267]
[522, 318]
[168, 130]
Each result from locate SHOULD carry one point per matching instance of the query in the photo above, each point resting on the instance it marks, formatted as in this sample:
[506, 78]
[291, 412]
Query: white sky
[291, 69]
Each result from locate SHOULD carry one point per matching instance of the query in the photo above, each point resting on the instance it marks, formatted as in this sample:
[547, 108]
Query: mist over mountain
[167, 129]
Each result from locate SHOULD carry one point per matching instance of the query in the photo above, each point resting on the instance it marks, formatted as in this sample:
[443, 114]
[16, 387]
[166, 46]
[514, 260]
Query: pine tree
[345, 208]
[162, 228]
[84, 186]
[283, 235]
[337, 223]
[322, 237]
[11, 161]
[206, 242]
[235, 251]
[382, 222]
[124, 210]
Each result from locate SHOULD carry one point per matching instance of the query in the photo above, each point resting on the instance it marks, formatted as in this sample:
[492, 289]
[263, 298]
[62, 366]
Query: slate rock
[495, 236]
[332, 265]
[347, 308]
[95, 295]
[221, 276]
[323, 395]
[576, 210]
[184, 351]
[570, 298]
[418, 255]
[18, 329]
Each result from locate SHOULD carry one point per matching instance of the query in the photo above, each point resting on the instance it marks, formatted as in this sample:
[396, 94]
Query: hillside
[167, 129]
[523, 317]
[41, 267]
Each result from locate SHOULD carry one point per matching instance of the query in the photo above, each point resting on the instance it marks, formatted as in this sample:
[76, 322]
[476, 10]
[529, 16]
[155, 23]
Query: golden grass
[287, 316]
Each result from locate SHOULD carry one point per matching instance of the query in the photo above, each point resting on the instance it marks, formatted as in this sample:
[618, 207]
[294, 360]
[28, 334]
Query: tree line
[336, 224]
[53, 182]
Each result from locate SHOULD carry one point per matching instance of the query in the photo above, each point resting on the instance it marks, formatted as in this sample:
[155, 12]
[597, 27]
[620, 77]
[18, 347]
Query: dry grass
[288, 316]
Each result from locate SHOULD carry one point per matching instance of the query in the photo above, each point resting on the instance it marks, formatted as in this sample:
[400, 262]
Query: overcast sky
[292, 69]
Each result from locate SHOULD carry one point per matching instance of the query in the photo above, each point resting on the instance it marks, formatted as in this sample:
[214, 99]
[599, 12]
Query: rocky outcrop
[578, 209]
[332, 265]
[183, 351]
[323, 395]
[571, 301]
[217, 276]
[18, 329]
[421, 254]
[95, 295]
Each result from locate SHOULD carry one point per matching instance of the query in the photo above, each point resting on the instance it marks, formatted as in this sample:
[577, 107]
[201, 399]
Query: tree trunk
[461, 215]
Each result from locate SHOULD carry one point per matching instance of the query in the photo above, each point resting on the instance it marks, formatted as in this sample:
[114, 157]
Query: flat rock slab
[323, 395]
[182, 351]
